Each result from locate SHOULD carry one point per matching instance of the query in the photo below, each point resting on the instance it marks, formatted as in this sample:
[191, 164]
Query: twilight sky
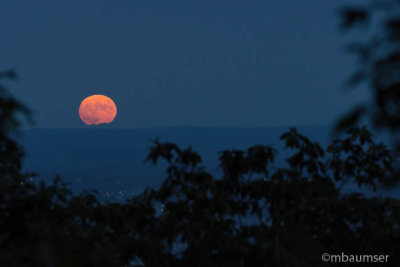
[166, 63]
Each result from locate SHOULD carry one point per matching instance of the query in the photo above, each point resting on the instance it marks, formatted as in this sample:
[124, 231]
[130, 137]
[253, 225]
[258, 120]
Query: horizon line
[105, 127]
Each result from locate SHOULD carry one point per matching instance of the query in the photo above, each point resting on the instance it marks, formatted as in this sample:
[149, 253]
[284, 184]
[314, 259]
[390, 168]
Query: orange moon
[97, 109]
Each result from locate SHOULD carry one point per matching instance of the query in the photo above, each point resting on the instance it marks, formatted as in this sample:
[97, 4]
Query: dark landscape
[112, 160]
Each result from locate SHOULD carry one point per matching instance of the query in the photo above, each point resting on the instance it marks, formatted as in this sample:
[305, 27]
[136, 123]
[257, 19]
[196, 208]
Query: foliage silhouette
[379, 64]
[253, 215]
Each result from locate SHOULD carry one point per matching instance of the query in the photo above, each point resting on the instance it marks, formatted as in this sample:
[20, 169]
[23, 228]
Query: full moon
[97, 109]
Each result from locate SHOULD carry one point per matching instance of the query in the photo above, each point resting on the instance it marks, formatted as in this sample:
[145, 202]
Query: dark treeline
[253, 215]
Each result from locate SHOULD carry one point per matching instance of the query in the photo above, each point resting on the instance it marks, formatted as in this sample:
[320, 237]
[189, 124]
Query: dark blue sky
[164, 63]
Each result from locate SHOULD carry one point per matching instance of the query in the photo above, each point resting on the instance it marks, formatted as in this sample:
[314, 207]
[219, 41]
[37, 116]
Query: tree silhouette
[252, 216]
[379, 63]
